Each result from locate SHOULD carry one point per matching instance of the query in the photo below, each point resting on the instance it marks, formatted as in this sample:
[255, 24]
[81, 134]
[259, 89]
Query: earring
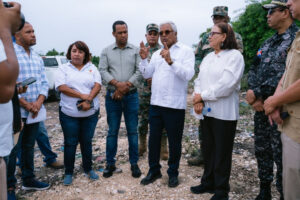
[222, 45]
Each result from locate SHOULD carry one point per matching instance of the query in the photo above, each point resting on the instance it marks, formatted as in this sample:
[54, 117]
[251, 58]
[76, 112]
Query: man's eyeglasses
[272, 10]
[167, 32]
[154, 33]
[214, 33]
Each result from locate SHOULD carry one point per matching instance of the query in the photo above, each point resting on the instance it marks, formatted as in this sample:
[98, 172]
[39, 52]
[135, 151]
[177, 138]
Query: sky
[58, 23]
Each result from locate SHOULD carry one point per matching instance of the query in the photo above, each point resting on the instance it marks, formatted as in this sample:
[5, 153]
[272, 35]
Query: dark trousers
[26, 145]
[173, 121]
[78, 129]
[218, 136]
[268, 150]
[43, 142]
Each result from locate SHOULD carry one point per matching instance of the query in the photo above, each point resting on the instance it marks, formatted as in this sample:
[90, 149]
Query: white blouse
[82, 81]
[218, 83]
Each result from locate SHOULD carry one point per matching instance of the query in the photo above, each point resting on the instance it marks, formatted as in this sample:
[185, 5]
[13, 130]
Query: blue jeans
[26, 146]
[78, 129]
[42, 140]
[44, 145]
[129, 105]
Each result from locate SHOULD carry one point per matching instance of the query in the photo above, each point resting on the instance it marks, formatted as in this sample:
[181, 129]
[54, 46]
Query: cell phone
[79, 102]
[27, 82]
[80, 107]
[284, 115]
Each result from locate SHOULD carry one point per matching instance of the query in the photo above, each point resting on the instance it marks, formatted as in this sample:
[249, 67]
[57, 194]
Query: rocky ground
[244, 181]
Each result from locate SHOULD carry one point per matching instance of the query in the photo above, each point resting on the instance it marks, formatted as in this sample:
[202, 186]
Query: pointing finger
[142, 44]
[165, 46]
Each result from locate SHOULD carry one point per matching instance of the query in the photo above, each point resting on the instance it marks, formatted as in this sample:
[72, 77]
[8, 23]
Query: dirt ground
[244, 181]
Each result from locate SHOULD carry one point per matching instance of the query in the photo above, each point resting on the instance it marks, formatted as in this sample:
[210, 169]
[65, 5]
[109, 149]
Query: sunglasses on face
[167, 32]
[213, 33]
[154, 33]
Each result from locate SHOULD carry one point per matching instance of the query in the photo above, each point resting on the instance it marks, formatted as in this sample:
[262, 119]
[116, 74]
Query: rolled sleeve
[97, 77]
[60, 78]
[106, 76]
[136, 77]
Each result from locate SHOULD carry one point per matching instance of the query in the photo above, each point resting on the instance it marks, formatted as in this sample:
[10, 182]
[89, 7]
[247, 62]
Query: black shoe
[135, 171]
[173, 181]
[150, 178]
[200, 189]
[265, 192]
[220, 197]
[108, 171]
[32, 184]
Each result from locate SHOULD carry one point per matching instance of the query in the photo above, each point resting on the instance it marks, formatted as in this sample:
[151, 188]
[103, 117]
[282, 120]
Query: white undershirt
[218, 83]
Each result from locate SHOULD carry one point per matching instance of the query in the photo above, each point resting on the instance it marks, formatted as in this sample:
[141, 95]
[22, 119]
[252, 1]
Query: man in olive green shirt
[119, 70]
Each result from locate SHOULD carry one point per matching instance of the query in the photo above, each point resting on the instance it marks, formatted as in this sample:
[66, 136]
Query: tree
[53, 52]
[253, 27]
[95, 60]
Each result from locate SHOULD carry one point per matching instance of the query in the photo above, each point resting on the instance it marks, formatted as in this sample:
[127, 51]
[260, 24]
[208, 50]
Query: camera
[7, 5]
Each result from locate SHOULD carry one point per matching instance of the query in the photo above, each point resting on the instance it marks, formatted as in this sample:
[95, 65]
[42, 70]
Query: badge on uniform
[259, 52]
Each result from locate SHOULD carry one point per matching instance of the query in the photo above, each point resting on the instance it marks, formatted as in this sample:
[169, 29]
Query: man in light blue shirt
[31, 65]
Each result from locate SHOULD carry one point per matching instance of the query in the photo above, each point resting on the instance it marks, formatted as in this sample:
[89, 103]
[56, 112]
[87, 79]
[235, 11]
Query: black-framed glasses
[272, 10]
[167, 32]
[214, 33]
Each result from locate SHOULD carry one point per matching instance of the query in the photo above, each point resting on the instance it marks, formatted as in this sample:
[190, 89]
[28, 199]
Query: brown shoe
[164, 154]
[56, 165]
[142, 144]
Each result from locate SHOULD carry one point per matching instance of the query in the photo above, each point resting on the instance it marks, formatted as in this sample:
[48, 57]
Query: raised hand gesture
[165, 53]
[144, 51]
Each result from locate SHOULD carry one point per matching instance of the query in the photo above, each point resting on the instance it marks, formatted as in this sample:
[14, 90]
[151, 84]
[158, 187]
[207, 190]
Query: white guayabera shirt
[6, 119]
[218, 83]
[169, 82]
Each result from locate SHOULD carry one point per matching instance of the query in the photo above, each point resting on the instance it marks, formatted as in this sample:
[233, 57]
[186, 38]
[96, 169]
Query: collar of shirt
[287, 34]
[21, 49]
[87, 65]
[128, 45]
[176, 45]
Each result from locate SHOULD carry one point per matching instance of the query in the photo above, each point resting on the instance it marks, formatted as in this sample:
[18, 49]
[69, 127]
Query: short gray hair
[172, 24]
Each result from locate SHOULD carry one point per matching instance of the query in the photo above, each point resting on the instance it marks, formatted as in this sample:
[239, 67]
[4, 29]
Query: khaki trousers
[3, 189]
[291, 168]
